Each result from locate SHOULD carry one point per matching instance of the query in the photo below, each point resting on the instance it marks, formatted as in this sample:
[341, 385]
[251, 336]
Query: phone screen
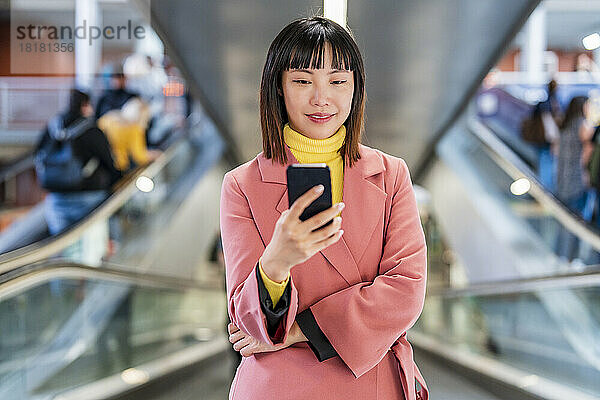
[303, 177]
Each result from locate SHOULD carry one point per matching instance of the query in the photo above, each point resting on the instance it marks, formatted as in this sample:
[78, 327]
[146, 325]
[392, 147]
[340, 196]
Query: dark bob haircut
[574, 111]
[77, 99]
[300, 45]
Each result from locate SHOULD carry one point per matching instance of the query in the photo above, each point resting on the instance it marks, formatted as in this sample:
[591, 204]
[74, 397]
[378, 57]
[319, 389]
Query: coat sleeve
[377, 313]
[97, 144]
[242, 247]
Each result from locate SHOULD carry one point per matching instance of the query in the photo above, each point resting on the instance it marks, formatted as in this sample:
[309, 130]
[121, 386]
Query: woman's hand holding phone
[295, 241]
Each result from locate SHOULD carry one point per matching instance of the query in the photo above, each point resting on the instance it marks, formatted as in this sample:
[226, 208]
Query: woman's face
[318, 101]
[87, 110]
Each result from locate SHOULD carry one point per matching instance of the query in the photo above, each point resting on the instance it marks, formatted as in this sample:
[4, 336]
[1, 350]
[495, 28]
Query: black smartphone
[303, 177]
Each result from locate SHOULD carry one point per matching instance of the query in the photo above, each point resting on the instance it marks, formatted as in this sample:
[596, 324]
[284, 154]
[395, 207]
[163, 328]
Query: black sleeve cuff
[317, 340]
[274, 316]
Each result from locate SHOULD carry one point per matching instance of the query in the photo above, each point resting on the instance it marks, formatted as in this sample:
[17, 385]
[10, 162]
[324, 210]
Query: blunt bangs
[308, 48]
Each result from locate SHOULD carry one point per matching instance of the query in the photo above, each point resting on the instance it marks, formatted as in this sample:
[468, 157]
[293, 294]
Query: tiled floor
[210, 382]
[445, 385]
[213, 383]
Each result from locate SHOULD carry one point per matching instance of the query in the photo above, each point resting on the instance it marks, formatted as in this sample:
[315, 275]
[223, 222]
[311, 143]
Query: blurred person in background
[551, 116]
[116, 95]
[74, 163]
[540, 129]
[571, 180]
[585, 66]
[146, 77]
[591, 158]
[126, 132]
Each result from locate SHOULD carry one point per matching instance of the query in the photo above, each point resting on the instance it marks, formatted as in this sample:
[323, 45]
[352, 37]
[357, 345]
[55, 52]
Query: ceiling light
[144, 184]
[529, 380]
[133, 376]
[520, 187]
[335, 10]
[591, 42]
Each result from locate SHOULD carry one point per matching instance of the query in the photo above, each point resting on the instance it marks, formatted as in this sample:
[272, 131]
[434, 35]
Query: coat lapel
[365, 204]
[364, 201]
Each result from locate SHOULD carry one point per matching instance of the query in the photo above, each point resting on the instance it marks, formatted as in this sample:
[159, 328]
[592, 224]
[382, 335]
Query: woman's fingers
[253, 346]
[324, 233]
[323, 217]
[247, 351]
[243, 343]
[240, 344]
[247, 345]
[234, 337]
[304, 201]
[231, 328]
[323, 244]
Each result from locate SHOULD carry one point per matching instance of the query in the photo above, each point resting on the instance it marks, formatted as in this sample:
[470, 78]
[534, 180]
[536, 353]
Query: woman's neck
[304, 144]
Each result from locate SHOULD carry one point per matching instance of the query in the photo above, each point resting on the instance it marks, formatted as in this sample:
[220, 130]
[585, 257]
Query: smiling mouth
[318, 117]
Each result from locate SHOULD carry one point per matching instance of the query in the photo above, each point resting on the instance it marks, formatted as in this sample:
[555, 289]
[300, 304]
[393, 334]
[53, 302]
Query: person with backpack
[74, 164]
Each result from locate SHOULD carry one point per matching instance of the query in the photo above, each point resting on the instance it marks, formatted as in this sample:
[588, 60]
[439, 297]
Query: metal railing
[197, 349]
[508, 161]
[123, 192]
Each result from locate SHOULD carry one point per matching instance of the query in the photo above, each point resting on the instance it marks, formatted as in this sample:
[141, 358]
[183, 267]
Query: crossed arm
[375, 313]
[275, 305]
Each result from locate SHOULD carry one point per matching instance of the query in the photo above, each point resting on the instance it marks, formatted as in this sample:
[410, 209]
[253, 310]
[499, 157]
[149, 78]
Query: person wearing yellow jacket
[126, 130]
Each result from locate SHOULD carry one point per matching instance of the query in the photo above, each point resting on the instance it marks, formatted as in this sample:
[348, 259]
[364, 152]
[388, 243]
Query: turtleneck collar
[300, 143]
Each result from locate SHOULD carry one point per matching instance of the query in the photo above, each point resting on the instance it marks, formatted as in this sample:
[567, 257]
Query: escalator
[125, 298]
[64, 337]
[521, 339]
[140, 203]
[514, 278]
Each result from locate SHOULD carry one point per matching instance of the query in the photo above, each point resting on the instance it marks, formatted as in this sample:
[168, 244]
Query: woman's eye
[338, 82]
[301, 81]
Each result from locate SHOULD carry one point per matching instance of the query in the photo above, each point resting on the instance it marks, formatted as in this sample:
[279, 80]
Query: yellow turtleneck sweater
[307, 150]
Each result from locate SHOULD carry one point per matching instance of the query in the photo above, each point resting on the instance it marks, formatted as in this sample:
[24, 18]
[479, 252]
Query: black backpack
[57, 166]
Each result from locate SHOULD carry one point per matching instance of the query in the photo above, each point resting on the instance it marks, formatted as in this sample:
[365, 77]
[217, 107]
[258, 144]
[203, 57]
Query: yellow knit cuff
[275, 289]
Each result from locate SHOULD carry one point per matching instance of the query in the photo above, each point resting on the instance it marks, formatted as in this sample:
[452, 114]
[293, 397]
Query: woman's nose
[320, 95]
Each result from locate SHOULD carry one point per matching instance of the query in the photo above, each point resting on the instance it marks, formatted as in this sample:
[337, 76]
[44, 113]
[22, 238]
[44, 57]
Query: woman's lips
[320, 118]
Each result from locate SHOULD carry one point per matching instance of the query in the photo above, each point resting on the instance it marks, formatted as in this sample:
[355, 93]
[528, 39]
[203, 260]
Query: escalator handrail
[123, 191]
[17, 166]
[31, 275]
[516, 168]
[17, 281]
[522, 285]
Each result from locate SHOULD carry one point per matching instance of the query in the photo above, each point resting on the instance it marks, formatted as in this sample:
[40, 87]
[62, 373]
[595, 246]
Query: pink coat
[365, 291]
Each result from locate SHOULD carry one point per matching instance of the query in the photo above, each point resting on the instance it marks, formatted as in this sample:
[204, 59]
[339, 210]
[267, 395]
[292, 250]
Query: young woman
[575, 132]
[574, 148]
[321, 314]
